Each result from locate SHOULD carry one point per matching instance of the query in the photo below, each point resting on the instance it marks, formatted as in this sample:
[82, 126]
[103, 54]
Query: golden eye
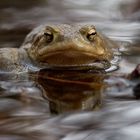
[48, 36]
[91, 34]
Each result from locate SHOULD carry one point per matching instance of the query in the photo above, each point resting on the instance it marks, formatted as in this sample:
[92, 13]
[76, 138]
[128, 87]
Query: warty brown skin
[58, 46]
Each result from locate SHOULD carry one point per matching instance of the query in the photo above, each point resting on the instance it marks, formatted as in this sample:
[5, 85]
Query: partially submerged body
[65, 47]
[59, 47]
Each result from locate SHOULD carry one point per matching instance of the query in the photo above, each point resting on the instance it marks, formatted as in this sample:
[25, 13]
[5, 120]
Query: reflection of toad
[71, 90]
[51, 46]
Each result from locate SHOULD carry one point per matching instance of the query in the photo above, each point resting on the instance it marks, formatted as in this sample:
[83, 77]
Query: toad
[59, 47]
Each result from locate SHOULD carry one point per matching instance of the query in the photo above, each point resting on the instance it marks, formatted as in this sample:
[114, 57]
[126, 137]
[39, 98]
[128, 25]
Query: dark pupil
[49, 37]
[92, 34]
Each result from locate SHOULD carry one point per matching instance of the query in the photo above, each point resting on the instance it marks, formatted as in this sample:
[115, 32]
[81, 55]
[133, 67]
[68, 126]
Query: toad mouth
[103, 65]
[73, 60]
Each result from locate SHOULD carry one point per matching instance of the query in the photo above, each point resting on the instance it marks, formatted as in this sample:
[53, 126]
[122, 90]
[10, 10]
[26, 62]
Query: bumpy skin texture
[9, 60]
[58, 46]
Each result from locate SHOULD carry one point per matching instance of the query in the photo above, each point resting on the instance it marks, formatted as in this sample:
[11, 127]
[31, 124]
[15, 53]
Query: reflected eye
[91, 35]
[48, 36]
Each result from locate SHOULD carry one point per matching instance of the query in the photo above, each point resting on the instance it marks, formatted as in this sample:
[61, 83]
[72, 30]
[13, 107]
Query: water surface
[68, 109]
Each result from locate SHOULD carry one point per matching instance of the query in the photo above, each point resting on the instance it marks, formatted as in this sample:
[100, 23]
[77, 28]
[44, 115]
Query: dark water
[71, 105]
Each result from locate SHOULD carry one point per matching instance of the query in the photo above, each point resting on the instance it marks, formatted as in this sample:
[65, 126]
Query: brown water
[71, 105]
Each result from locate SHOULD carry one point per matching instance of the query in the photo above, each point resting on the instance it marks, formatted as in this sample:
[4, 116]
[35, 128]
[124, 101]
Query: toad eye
[91, 34]
[48, 36]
